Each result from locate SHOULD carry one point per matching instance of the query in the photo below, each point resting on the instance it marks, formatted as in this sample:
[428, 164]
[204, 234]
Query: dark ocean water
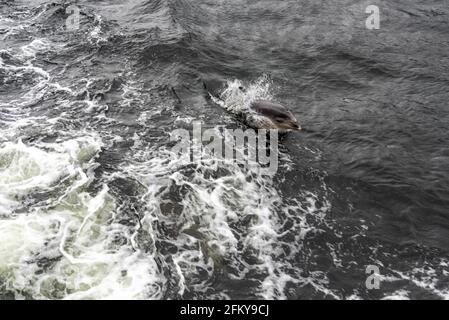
[92, 206]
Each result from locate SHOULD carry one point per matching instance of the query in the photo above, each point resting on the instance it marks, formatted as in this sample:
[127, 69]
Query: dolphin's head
[279, 116]
[286, 122]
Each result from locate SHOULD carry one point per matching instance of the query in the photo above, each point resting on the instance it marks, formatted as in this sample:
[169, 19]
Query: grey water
[92, 205]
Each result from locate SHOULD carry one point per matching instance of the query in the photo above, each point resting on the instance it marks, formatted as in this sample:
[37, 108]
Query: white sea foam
[398, 295]
[26, 169]
[72, 233]
[95, 34]
[89, 254]
[37, 45]
[237, 100]
[210, 208]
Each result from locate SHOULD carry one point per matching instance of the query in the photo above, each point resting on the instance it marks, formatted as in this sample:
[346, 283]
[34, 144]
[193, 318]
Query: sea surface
[94, 206]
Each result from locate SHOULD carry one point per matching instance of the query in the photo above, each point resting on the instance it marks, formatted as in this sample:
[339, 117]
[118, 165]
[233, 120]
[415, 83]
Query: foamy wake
[61, 235]
[227, 219]
[71, 245]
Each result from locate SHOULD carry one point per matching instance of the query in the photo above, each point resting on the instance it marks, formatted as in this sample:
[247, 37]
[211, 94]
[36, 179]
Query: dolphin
[262, 114]
[265, 114]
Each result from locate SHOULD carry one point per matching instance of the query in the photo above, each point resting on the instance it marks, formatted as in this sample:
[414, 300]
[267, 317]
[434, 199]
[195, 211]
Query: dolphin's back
[271, 110]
